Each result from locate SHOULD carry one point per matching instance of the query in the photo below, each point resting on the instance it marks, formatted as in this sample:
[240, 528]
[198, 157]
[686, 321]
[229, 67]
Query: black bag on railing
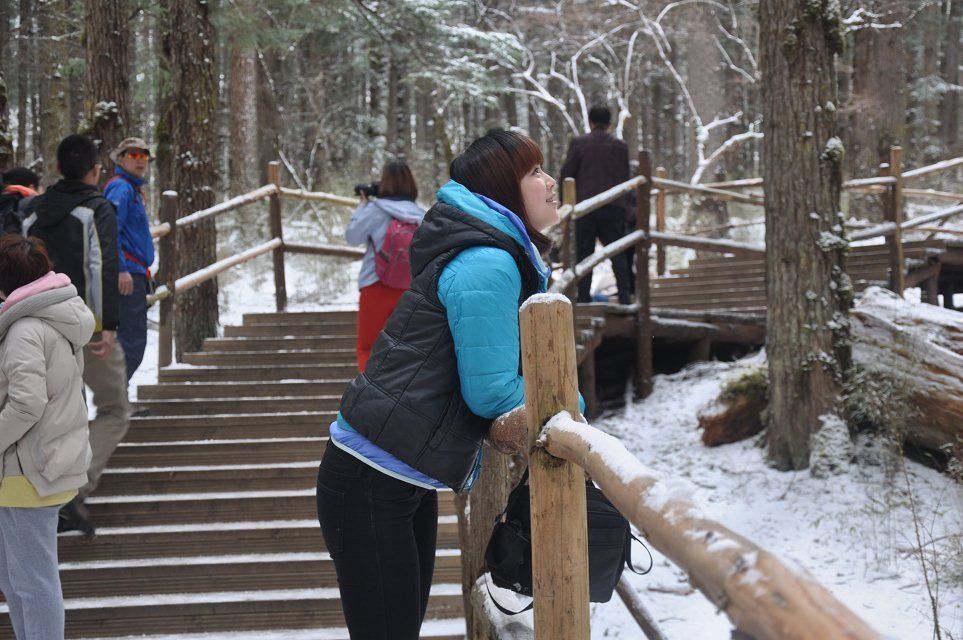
[509, 552]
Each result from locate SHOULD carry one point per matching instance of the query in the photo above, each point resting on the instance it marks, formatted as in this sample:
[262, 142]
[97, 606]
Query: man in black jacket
[598, 161]
[79, 228]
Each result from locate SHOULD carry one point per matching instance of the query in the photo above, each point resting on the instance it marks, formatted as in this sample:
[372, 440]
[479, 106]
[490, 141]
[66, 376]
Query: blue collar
[129, 177]
[516, 222]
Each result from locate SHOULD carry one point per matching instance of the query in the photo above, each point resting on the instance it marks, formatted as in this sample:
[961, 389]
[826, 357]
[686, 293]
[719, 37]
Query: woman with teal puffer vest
[444, 368]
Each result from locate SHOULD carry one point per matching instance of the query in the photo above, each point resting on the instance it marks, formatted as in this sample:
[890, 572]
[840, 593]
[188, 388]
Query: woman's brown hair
[494, 166]
[397, 181]
[22, 260]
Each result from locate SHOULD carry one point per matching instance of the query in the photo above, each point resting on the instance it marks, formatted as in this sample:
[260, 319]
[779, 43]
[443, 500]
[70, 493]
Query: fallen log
[921, 347]
[737, 414]
[916, 348]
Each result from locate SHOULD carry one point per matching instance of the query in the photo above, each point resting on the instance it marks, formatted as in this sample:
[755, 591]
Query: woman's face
[540, 199]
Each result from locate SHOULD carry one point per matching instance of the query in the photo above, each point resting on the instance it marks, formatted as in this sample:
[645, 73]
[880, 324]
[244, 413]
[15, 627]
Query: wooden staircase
[206, 514]
[727, 283]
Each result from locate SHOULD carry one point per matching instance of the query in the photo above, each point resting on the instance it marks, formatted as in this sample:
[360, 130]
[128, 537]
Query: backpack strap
[506, 611]
[512, 497]
[628, 557]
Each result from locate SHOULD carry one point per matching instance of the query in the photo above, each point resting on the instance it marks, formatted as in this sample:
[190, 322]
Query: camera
[369, 190]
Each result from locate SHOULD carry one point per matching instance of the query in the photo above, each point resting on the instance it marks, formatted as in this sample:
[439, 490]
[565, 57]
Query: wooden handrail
[761, 596]
[720, 194]
[319, 196]
[160, 230]
[869, 182]
[917, 193]
[887, 228]
[188, 282]
[228, 205]
[709, 244]
[933, 168]
[337, 250]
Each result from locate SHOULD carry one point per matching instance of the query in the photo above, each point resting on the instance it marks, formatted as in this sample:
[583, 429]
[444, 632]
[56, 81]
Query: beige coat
[43, 414]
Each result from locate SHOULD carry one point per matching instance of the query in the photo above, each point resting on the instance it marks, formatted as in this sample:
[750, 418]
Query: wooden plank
[277, 231]
[643, 334]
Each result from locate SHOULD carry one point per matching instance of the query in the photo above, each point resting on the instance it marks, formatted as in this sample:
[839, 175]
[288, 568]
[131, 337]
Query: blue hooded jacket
[133, 225]
[479, 289]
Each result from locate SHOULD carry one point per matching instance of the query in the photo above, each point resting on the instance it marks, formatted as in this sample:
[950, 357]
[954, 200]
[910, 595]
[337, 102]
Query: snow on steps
[206, 514]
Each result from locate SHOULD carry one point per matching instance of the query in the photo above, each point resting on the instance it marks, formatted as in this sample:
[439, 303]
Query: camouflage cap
[126, 145]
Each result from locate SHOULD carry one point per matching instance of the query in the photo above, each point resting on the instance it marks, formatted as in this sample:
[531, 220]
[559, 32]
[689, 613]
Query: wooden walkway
[738, 284]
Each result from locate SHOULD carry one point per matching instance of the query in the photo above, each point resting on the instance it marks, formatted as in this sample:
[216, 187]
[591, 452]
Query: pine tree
[193, 140]
[808, 291]
[107, 36]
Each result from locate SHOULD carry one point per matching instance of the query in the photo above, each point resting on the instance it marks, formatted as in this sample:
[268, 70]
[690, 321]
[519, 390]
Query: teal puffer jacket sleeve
[480, 290]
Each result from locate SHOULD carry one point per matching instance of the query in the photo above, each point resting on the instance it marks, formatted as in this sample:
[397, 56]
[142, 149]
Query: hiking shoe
[74, 516]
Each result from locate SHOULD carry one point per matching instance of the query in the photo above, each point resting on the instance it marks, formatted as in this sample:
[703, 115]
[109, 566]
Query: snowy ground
[853, 532]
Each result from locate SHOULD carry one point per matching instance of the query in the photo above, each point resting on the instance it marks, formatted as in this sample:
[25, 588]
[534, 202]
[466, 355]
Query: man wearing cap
[136, 247]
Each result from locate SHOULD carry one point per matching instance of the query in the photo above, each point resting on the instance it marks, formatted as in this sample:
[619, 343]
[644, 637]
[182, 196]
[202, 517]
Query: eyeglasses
[138, 155]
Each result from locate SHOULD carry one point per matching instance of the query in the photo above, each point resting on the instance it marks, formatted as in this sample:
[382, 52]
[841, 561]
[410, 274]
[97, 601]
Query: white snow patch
[544, 298]
[830, 447]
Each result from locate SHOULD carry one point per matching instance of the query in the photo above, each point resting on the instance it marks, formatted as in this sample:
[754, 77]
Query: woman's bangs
[526, 156]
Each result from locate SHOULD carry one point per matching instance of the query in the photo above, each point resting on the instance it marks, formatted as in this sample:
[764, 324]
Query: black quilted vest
[408, 400]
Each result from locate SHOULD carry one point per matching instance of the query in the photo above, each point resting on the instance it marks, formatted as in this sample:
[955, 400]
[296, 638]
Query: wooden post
[643, 323]
[894, 214]
[277, 231]
[559, 535]
[947, 293]
[660, 199]
[167, 275]
[569, 246]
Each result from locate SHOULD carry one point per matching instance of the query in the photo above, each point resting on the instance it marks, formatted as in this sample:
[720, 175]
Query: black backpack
[509, 552]
[10, 221]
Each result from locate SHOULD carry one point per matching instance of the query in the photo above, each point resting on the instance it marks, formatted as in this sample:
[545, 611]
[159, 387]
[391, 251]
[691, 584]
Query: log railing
[762, 596]
[171, 283]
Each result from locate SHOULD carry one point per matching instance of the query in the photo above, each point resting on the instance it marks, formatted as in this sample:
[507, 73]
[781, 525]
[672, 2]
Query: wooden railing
[762, 596]
[171, 283]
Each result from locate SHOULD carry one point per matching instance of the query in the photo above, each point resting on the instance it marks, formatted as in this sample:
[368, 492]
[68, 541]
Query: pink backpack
[392, 260]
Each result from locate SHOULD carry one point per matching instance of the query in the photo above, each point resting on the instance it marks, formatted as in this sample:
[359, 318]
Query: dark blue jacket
[133, 226]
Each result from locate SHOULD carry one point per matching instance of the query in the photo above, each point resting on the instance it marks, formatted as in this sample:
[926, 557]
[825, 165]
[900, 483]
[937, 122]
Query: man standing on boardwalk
[598, 161]
[136, 247]
[79, 228]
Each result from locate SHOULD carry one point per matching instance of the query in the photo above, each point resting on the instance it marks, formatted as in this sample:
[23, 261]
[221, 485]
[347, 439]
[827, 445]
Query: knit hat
[126, 145]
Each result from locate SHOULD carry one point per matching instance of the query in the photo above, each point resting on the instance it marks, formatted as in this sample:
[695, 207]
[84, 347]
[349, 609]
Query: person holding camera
[385, 221]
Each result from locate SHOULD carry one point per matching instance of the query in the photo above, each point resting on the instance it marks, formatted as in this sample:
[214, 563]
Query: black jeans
[607, 224]
[381, 534]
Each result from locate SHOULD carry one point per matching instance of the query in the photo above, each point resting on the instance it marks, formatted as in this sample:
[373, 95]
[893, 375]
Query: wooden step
[345, 357]
[224, 612]
[311, 570]
[300, 317]
[240, 405]
[229, 427]
[233, 506]
[210, 452]
[295, 329]
[709, 305]
[259, 373]
[275, 344]
[212, 539]
[201, 390]
[273, 476]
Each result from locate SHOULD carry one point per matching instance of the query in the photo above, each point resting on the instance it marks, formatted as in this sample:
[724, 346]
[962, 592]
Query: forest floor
[854, 532]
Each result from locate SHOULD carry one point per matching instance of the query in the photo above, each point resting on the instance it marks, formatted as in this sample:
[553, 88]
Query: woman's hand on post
[509, 432]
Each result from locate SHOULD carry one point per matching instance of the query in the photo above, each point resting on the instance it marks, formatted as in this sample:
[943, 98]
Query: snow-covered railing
[319, 196]
[764, 597]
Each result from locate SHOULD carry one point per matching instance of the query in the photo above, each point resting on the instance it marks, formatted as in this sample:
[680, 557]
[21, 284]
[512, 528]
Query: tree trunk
[950, 107]
[193, 170]
[54, 107]
[164, 159]
[268, 115]
[107, 35]
[23, 76]
[877, 105]
[808, 291]
[6, 137]
[243, 174]
[75, 71]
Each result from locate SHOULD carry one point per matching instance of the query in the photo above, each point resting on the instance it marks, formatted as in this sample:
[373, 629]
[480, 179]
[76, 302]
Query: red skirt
[377, 302]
